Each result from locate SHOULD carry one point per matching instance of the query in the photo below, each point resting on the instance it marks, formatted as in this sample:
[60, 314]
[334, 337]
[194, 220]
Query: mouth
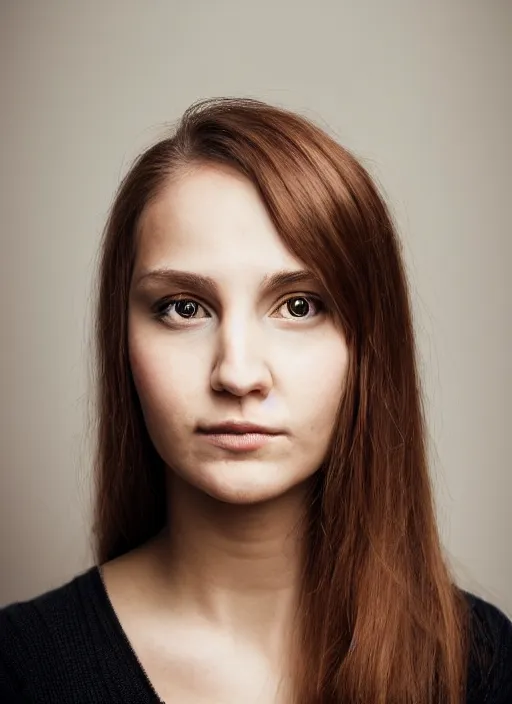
[239, 442]
[238, 428]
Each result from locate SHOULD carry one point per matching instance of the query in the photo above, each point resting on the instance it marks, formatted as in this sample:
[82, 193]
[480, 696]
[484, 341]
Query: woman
[264, 522]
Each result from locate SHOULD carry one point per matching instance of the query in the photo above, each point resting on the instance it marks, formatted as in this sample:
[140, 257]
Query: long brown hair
[382, 622]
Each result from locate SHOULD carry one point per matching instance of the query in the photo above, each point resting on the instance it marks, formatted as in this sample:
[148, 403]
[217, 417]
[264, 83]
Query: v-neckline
[119, 631]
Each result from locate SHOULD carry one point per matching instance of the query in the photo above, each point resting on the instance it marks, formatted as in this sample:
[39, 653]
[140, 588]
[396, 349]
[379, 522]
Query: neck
[238, 566]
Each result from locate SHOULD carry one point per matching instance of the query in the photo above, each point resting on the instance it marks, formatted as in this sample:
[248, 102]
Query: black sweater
[67, 646]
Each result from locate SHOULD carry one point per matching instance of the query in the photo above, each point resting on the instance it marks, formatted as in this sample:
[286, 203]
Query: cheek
[163, 381]
[318, 377]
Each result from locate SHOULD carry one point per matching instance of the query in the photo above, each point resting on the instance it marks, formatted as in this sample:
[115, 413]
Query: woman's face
[235, 349]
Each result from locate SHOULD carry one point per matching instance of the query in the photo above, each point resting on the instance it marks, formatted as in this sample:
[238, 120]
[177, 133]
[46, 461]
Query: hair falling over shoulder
[381, 620]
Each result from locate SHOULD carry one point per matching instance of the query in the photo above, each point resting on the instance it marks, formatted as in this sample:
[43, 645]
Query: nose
[241, 363]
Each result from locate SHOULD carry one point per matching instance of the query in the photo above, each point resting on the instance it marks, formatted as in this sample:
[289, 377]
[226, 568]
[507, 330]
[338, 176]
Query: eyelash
[161, 307]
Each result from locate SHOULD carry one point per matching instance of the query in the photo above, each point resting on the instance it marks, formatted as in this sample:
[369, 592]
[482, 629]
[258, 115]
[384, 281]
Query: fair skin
[208, 605]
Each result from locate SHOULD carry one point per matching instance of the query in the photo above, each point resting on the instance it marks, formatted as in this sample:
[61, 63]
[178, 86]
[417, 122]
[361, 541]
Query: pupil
[185, 308]
[300, 308]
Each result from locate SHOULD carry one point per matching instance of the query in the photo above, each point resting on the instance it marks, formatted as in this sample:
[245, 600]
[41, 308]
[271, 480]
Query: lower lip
[243, 442]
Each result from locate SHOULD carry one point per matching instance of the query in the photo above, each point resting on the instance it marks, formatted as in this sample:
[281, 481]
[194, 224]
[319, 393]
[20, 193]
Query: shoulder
[47, 613]
[490, 661]
[36, 635]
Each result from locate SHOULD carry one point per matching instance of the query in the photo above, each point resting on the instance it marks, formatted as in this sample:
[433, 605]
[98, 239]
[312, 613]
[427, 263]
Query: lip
[239, 427]
[240, 442]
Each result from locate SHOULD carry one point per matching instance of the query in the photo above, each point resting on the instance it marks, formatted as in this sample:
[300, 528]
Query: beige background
[420, 91]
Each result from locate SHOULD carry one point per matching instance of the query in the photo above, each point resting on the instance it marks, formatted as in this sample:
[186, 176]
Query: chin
[244, 496]
[239, 485]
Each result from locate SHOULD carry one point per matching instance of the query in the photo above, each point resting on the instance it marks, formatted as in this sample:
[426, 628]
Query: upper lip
[234, 426]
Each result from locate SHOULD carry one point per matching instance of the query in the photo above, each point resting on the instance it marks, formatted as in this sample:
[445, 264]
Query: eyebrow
[208, 287]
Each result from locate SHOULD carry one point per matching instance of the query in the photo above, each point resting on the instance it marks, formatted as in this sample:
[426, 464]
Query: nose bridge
[241, 362]
[237, 333]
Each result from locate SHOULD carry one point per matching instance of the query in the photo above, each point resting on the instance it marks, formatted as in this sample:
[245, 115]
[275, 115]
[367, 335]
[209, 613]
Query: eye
[299, 305]
[186, 308]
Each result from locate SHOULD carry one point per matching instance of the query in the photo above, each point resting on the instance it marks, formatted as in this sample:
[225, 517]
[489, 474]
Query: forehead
[211, 219]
